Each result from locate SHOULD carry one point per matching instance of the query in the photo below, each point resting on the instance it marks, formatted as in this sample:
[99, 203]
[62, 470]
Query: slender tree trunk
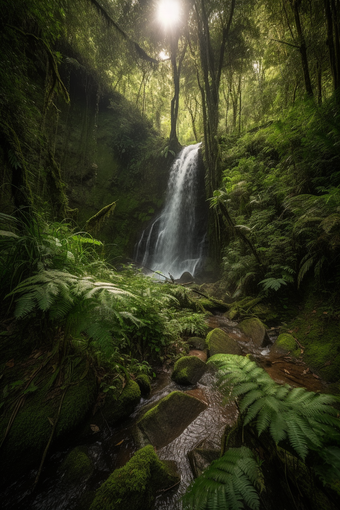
[302, 46]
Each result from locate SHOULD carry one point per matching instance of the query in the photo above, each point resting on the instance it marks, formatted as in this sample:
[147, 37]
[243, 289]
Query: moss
[286, 342]
[76, 466]
[115, 410]
[253, 328]
[167, 419]
[219, 342]
[188, 370]
[143, 382]
[134, 485]
[318, 331]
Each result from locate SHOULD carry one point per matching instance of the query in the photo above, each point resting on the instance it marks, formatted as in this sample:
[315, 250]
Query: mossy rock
[113, 410]
[167, 419]
[143, 382]
[77, 466]
[116, 410]
[31, 429]
[188, 370]
[135, 485]
[219, 342]
[254, 329]
[197, 343]
[285, 343]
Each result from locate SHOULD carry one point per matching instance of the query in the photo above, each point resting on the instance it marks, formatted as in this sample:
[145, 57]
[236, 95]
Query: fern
[303, 418]
[227, 484]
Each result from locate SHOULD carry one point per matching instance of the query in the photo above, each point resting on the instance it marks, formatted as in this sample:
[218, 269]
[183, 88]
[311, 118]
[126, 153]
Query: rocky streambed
[183, 418]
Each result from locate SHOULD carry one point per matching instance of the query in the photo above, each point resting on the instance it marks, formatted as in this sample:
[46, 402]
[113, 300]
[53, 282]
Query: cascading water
[175, 241]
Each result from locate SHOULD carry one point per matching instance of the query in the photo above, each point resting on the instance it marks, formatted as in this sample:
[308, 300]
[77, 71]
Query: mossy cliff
[110, 153]
[134, 486]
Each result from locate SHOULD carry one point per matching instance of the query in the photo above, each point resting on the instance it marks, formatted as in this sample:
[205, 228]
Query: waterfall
[175, 241]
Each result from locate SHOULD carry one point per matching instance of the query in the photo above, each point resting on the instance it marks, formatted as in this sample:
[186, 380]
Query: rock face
[220, 342]
[256, 331]
[135, 485]
[168, 418]
[188, 370]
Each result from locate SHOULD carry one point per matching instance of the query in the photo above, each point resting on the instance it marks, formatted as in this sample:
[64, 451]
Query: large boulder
[188, 370]
[135, 485]
[167, 419]
[255, 330]
[219, 342]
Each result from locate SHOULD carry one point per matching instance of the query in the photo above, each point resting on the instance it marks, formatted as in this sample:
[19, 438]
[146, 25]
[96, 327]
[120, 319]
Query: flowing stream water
[175, 241]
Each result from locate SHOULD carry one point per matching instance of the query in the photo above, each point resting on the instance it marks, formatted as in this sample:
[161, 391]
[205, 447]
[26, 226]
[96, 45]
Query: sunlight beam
[169, 13]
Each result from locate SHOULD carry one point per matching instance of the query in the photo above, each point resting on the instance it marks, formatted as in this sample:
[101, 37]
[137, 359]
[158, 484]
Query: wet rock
[202, 355]
[285, 343]
[185, 278]
[256, 331]
[188, 370]
[219, 342]
[167, 419]
[201, 458]
[135, 485]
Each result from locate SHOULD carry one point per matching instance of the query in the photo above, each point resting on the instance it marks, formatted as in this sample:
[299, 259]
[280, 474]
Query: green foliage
[229, 483]
[306, 419]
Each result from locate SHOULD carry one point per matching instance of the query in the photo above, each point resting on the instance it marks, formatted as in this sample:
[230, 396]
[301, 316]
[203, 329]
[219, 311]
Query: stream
[113, 447]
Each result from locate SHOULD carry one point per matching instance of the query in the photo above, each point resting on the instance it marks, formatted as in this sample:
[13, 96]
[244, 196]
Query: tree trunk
[302, 47]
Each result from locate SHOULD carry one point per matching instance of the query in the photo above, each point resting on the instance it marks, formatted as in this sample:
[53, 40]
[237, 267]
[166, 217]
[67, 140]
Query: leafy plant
[227, 483]
[306, 419]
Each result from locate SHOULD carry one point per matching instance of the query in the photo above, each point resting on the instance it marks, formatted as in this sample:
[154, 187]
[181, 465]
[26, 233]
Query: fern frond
[226, 484]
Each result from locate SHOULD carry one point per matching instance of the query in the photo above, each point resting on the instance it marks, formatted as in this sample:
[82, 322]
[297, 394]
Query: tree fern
[227, 484]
